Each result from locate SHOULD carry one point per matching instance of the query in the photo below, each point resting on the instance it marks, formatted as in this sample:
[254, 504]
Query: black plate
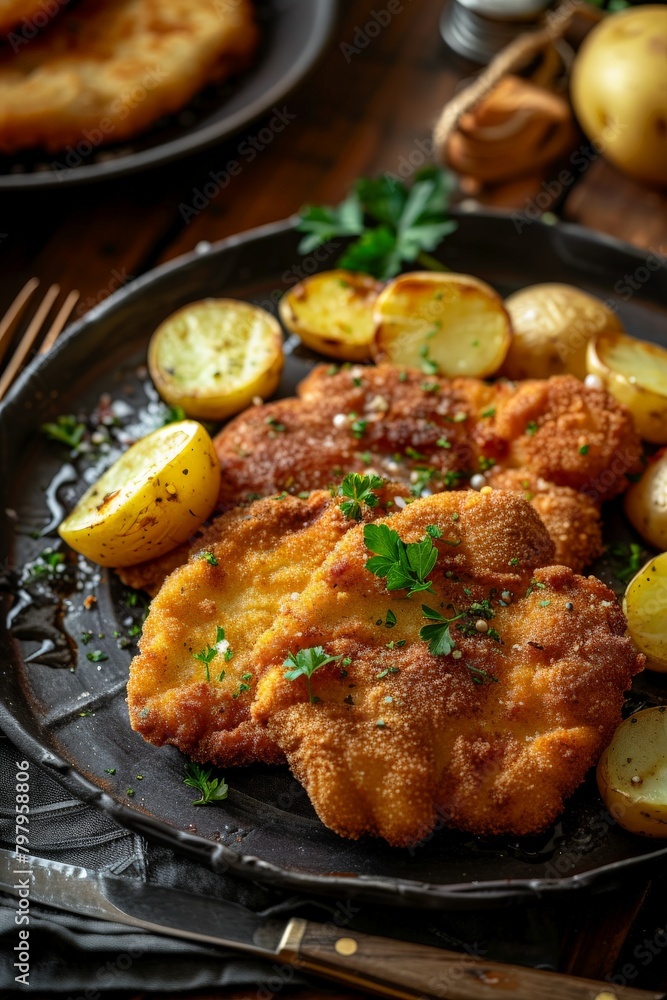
[294, 32]
[267, 829]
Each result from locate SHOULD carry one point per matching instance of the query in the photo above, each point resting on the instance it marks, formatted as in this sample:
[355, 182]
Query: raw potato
[151, 499]
[619, 90]
[645, 607]
[213, 357]
[646, 502]
[552, 324]
[635, 373]
[637, 751]
[447, 324]
[332, 313]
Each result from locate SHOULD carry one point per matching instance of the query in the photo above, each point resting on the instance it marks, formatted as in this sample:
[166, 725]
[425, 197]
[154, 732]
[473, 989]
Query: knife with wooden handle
[379, 965]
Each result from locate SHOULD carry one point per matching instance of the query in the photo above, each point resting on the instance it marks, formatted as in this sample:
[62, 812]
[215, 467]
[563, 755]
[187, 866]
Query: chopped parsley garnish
[584, 449]
[390, 619]
[531, 427]
[208, 557]
[437, 633]
[173, 415]
[458, 418]
[629, 560]
[109, 770]
[404, 566]
[428, 365]
[211, 789]
[491, 412]
[358, 428]
[359, 489]
[486, 463]
[416, 455]
[46, 565]
[478, 676]
[276, 425]
[304, 663]
[220, 647]
[66, 429]
[443, 443]
[430, 386]
[393, 224]
[97, 656]
[434, 531]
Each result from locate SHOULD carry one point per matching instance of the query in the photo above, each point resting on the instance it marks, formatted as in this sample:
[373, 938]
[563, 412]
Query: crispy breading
[402, 739]
[435, 433]
[106, 71]
[571, 518]
[13, 11]
[257, 557]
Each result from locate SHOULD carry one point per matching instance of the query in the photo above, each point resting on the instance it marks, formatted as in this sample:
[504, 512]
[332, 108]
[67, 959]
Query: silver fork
[36, 326]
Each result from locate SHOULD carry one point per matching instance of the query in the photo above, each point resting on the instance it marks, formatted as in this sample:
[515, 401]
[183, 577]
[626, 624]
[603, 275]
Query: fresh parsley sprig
[359, 489]
[437, 633]
[208, 654]
[66, 429]
[304, 663]
[212, 789]
[405, 566]
[394, 224]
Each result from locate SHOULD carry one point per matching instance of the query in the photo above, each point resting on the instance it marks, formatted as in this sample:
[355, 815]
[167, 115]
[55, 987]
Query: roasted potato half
[645, 607]
[151, 499]
[332, 313]
[635, 373]
[552, 324]
[632, 773]
[213, 357]
[646, 502]
[448, 324]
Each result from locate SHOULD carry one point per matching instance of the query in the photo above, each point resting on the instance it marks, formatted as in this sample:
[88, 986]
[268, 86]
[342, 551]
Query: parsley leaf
[208, 654]
[405, 567]
[211, 789]
[437, 634]
[404, 224]
[359, 489]
[304, 663]
[65, 429]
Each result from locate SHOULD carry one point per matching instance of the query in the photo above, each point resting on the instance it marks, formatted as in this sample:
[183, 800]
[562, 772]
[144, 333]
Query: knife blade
[385, 966]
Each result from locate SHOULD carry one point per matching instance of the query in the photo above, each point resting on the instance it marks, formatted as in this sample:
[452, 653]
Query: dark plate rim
[324, 14]
[381, 889]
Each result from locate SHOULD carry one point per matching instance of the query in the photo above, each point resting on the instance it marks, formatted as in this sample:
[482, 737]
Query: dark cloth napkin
[72, 955]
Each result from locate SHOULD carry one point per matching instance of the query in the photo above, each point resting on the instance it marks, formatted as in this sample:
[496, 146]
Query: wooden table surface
[351, 118]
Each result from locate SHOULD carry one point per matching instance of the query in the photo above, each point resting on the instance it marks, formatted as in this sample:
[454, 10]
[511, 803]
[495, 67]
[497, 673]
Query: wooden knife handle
[417, 972]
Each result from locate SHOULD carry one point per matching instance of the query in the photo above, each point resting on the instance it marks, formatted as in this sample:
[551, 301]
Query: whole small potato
[552, 324]
[619, 90]
[646, 502]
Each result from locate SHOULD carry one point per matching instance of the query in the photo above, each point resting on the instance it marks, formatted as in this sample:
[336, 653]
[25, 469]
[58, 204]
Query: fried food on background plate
[435, 434]
[105, 72]
[490, 741]
[14, 11]
[571, 518]
[191, 684]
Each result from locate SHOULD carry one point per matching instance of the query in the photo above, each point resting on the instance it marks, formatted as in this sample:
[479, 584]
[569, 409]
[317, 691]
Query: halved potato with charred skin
[447, 324]
[635, 373]
[151, 499]
[332, 313]
[213, 357]
[632, 773]
[645, 607]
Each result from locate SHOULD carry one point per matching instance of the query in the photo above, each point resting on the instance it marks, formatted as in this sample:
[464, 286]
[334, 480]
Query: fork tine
[8, 322]
[28, 339]
[59, 322]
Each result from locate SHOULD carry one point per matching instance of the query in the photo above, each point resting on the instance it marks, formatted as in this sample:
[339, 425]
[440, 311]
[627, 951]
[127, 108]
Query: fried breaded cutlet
[571, 518]
[13, 11]
[435, 434]
[488, 735]
[191, 684]
[106, 71]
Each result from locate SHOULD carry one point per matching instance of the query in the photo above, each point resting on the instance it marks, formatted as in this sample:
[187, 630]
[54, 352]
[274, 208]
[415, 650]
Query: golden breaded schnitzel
[435, 434]
[106, 71]
[192, 683]
[571, 518]
[13, 11]
[487, 722]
